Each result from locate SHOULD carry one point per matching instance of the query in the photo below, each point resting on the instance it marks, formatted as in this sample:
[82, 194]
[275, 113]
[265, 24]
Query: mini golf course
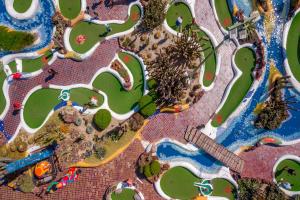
[95, 33]
[282, 175]
[245, 61]
[42, 101]
[224, 13]
[114, 90]
[181, 9]
[22, 6]
[178, 183]
[293, 47]
[70, 8]
[126, 194]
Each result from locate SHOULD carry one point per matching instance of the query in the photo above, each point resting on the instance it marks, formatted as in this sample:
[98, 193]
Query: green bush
[102, 119]
[155, 168]
[99, 152]
[147, 171]
[147, 106]
[152, 84]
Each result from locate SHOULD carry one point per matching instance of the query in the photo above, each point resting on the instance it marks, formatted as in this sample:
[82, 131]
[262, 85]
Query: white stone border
[285, 157]
[289, 72]
[88, 18]
[29, 13]
[105, 104]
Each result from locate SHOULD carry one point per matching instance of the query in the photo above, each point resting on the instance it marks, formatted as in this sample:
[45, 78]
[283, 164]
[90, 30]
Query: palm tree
[250, 28]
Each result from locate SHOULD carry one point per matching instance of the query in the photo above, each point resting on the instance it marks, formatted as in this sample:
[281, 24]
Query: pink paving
[259, 162]
[69, 72]
[93, 182]
[119, 11]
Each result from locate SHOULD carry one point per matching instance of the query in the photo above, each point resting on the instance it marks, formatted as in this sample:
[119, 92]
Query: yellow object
[235, 10]
[42, 168]
[259, 107]
[176, 108]
[199, 197]
[274, 73]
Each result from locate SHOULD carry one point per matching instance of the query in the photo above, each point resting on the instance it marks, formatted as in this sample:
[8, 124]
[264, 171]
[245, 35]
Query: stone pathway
[259, 162]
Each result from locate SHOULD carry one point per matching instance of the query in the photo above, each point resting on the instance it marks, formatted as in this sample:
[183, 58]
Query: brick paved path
[259, 162]
[69, 72]
[93, 182]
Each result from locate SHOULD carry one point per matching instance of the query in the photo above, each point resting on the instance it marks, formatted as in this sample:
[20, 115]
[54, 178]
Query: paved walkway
[259, 162]
[93, 182]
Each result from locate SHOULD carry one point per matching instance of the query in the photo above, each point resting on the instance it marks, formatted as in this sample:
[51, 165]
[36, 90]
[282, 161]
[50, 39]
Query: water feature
[241, 131]
[41, 23]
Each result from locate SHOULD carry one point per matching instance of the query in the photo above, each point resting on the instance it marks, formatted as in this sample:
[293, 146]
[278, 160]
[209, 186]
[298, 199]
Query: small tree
[99, 152]
[155, 168]
[102, 119]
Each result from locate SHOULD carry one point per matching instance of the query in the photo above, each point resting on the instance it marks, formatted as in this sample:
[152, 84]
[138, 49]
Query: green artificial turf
[120, 100]
[178, 183]
[245, 61]
[83, 96]
[181, 9]
[70, 8]
[293, 47]
[126, 194]
[13, 66]
[282, 175]
[97, 32]
[41, 102]
[2, 97]
[224, 13]
[22, 6]
[32, 65]
[223, 188]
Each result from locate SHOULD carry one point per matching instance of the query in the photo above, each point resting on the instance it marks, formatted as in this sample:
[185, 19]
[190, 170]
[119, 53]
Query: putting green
[178, 183]
[293, 47]
[245, 61]
[126, 194]
[42, 101]
[181, 9]
[282, 175]
[32, 65]
[95, 33]
[70, 8]
[223, 188]
[224, 13]
[22, 6]
[120, 100]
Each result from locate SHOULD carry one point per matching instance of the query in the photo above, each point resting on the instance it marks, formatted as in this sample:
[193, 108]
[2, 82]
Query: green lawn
[120, 100]
[22, 6]
[95, 33]
[223, 188]
[281, 173]
[245, 61]
[126, 194]
[181, 9]
[224, 13]
[178, 183]
[70, 8]
[41, 102]
[13, 66]
[2, 97]
[293, 47]
[32, 65]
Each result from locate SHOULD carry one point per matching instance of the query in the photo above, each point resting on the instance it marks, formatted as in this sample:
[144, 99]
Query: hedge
[102, 119]
[155, 168]
[147, 106]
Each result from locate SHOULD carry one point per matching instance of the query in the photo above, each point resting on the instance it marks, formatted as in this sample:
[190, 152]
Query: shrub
[152, 84]
[102, 119]
[155, 168]
[147, 171]
[99, 152]
[147, 106]
[136, 122]
[22, 147]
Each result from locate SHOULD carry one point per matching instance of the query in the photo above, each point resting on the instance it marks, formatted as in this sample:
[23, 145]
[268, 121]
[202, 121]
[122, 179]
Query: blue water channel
[41, 22]
[240, 131]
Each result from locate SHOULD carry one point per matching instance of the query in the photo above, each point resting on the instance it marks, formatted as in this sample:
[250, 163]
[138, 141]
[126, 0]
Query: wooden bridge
[219, 152]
